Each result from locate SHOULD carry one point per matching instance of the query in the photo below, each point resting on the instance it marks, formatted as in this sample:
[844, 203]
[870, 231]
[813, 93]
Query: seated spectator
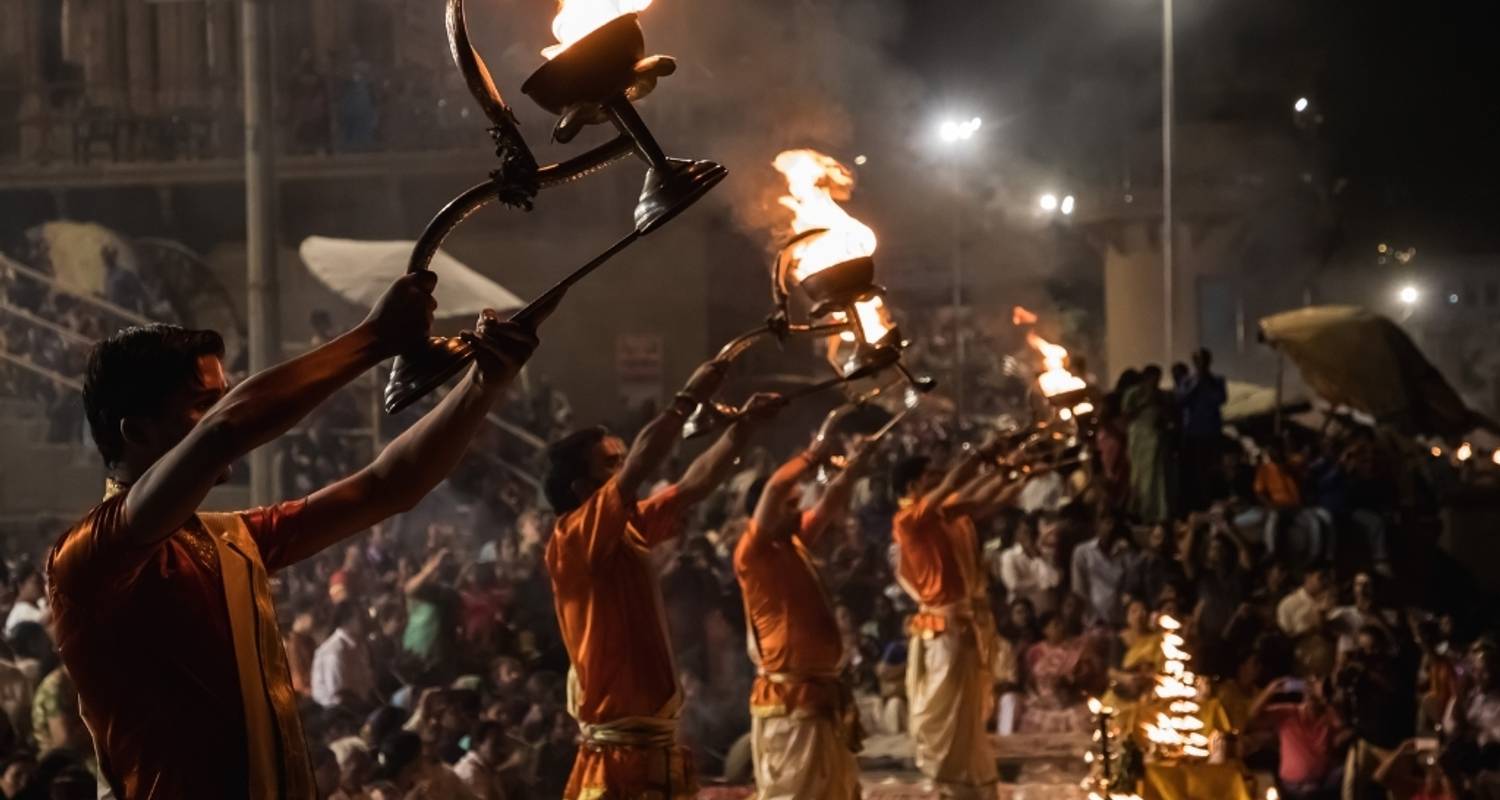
[1303, 611]
[1157, 567]
[1474, 715]
[1310, 735]
[1028, 570]
[1414, 772]
[1347, 620]
[1054, 702]
[30, 603]
[489, 756]
[1100, 566]
[342, 674]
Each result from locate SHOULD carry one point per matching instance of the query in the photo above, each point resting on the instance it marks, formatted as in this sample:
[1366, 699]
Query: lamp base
[415, 374]
[668, 192]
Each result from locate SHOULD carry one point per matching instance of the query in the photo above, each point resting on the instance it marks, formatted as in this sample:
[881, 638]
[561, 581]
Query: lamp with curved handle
[671, 184]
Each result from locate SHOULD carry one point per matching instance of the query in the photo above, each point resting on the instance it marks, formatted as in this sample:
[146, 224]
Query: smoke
[762, 77]
[754, 78]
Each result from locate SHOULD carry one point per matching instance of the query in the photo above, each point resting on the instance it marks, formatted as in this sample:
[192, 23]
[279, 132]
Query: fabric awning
[359, 271]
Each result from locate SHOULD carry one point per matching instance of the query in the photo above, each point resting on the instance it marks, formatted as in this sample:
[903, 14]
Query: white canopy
[359, 271]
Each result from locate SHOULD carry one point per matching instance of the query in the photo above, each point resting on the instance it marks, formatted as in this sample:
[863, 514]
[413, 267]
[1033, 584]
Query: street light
[1048, 202]
[1067, 206]
[1409, 295]
[1301, 105]
[951, 132]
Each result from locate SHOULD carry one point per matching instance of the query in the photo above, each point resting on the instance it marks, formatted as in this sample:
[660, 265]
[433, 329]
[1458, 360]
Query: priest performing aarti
[622, 685]
[163, 615]
[805, 728]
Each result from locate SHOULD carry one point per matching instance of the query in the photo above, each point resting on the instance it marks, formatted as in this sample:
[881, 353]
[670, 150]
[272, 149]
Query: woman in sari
[1054, 703]
[1134, 673]
[1150, 470]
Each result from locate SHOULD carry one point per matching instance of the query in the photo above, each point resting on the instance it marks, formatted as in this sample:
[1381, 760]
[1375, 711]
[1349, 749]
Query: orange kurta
[168, 643]
[792, 627]
[939, 563]
[610, 612]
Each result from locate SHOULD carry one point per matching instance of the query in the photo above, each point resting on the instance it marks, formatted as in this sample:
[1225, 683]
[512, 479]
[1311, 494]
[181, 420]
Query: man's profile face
[185, 408]
[607, 459]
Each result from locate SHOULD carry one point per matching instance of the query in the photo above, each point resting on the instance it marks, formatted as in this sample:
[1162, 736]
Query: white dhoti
[949, 689]
[802, 758]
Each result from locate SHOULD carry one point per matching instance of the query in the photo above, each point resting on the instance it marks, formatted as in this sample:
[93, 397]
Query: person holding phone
[1310, 735]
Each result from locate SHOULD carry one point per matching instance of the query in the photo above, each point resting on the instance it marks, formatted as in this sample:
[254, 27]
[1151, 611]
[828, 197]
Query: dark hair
[345, 612]
[753, 494]
[908, 471]
[386, 720]
[484, 730]
[567, 462]
[397, 752]
[134, 372]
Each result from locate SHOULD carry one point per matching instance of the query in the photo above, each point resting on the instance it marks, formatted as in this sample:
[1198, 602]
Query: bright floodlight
[1300, 105]
[1048, 202]
[1409, 295]
[1067, 205]
[952, 130]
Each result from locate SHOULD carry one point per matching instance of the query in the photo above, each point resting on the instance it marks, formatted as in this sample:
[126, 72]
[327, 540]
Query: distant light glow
[1409, 295]
[957, 130]
[1300, 105]
[1464, 452]
[1437, 452]
[1453, 299]
[1048, 202]
[1496, 457]
[1382, 248]
[861, 160]
[1067, 205]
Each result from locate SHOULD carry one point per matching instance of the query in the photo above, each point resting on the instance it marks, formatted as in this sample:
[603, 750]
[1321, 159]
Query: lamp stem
[537, 311]
[629, 122]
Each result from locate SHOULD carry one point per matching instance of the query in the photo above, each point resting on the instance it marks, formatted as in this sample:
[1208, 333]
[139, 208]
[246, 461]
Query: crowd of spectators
[429, 662]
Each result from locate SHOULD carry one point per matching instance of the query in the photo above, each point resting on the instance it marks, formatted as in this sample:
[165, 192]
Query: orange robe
[622, 687]
[948, 681]
[805, 728]
[174, 650]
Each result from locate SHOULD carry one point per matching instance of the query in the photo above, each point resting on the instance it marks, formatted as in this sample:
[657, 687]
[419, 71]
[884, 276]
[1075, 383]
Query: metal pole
[1168, 68]
[959, 349]
[260, 217]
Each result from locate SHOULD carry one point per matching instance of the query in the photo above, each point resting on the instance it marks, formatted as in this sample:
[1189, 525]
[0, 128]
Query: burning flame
[1020, 317]
[1056, 379]
[578, 18]
[1181, 730]
[815, 185]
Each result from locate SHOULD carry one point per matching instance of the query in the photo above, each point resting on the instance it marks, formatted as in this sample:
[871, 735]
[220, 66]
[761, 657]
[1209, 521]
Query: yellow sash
[278, 759]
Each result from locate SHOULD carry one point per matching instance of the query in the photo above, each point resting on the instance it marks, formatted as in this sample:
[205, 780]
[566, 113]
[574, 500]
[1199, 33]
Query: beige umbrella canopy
[359, 271]
[1352, 357]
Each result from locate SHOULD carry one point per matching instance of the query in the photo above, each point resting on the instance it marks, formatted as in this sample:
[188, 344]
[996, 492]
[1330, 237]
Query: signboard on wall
[640, 363]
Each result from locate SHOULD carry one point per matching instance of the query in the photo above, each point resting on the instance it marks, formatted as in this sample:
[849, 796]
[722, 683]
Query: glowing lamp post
[594, 73]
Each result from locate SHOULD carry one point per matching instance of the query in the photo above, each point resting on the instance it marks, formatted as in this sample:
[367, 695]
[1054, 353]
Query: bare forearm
[955, 479]
[779, 488]
[651, 447]
[415, 462]
[253, 413]
[713, 467]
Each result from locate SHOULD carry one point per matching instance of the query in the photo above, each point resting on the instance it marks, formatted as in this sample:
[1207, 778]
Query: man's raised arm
[715, 464]
[656, 441]
[415, 462]
[267, 405]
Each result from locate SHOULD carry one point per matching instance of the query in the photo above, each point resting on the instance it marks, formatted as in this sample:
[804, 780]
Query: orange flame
[815, 185]
[1056, 379]
[578, 18]
[1020, 316]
